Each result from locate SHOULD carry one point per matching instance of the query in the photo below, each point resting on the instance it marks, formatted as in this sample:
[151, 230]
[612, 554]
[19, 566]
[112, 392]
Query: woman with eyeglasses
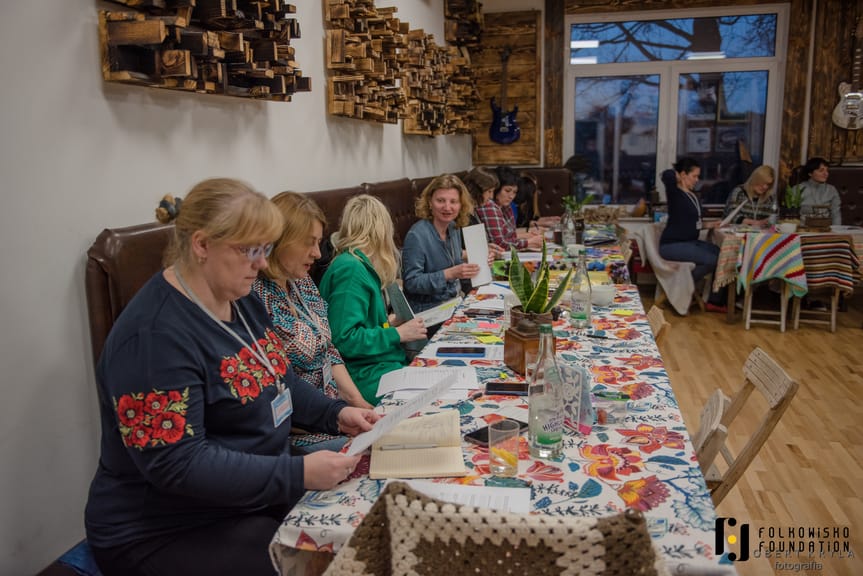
[295, 305]
[197, 400]
[365, 263]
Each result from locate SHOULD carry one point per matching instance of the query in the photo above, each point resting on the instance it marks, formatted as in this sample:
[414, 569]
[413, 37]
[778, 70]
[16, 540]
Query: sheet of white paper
[727, 220]
[392, 418]
[451, 395]
[440, 313]
[515, 500]
[417, 378]
[492, 351]
[489, 304]
[525, 256]
[476, 245]
[494, 289]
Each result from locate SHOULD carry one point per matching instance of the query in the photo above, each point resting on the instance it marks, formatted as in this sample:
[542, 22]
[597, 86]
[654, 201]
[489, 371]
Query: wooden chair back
[658, 324]
[765, 375]
[711, 434]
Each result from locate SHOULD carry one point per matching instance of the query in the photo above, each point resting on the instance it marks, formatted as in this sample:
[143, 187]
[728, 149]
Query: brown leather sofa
[121, 260]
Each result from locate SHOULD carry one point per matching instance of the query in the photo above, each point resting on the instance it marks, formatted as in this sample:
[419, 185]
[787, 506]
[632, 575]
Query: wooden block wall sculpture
[378, 69]
[231, 47]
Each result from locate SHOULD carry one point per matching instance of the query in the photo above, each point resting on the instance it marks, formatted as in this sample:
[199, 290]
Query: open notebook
[420, 447]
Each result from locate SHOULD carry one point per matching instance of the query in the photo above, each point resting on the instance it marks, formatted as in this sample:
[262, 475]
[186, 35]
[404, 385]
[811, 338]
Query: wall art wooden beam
[230, 47]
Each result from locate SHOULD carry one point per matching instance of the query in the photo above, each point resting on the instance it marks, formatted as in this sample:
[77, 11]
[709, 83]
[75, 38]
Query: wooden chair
[766, 315]
[762, 373]
[823, 317]
[658, 324]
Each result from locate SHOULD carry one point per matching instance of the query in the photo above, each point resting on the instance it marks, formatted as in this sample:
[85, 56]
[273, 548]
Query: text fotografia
[797, 541]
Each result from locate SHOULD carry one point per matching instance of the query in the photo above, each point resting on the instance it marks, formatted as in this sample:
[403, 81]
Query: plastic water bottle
[580, 307]
[774, 212]
[545, 405]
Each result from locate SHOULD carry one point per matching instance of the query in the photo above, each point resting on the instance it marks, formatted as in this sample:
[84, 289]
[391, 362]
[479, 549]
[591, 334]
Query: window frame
[669, 72]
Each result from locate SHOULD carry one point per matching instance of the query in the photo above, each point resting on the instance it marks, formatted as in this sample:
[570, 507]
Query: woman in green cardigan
[366, 261]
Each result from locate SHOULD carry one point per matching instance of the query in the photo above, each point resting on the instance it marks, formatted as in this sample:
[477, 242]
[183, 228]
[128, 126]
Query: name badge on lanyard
[282, 407]
[327, 371]
[698, 224]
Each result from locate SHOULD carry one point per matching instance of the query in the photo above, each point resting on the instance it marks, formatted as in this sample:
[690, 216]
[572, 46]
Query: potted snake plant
[532, 291]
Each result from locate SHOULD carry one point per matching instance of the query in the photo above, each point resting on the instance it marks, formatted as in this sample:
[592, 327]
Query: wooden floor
[810, 471]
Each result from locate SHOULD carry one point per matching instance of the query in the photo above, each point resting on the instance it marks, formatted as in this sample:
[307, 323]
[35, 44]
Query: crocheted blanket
[765, 256]
[407, 532]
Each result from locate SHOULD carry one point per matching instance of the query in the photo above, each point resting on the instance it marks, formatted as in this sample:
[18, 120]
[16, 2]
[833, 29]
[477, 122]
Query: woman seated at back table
[197, 399]
[366, 261]
[432, 256]
[816, 191]
[296, 306]
[679, 241]
[759, 203]
[499, 219]
[481, 183]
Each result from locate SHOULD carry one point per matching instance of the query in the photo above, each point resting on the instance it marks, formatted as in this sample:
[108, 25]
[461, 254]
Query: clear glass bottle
[545, 405]
[567, 227]
[580, 306]
[774, 211]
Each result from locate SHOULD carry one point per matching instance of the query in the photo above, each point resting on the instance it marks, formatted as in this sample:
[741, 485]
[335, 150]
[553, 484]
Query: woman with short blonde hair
[352, 286]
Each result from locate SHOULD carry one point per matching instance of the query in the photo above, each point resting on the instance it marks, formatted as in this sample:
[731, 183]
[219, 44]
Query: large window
[702, 83]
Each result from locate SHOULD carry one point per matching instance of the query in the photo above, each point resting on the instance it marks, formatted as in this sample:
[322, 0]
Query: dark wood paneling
[518, 31]
[553, 74]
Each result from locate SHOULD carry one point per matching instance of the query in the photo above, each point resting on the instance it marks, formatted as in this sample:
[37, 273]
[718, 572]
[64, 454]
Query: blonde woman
[197, 400]
[432, 258]
[295, 305]
[366, 262]
[757, 198]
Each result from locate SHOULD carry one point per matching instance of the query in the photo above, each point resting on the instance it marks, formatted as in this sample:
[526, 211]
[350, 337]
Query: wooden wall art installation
[231, 47]
[508, 70]
[378, 69]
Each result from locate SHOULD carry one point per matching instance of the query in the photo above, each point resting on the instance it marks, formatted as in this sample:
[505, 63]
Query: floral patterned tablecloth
[645, 462]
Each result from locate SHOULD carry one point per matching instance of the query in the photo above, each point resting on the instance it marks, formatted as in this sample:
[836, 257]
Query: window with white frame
[641, 92]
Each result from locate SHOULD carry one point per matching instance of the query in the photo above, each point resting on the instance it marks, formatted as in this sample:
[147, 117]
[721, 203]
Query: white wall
[77, 156]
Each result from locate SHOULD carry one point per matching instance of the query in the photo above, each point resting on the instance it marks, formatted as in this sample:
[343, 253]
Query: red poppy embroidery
[244, 373]
[130, 410]
[155, 419]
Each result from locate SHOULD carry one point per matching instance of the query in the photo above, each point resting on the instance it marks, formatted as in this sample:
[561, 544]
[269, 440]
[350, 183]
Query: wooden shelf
[232, 47]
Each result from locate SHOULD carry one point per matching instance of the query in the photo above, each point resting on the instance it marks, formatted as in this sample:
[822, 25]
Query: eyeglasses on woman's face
[255, 252]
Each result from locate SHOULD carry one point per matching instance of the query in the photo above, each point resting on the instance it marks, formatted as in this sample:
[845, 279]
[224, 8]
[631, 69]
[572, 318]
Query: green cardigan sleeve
[357, 312]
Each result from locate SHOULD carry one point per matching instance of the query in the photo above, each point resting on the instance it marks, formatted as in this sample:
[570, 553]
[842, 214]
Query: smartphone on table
[480, 435]
[506, 388]
[461, 351]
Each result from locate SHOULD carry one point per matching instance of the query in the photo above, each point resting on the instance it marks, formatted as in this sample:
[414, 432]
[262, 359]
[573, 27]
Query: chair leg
[834, 305]
[783, 306]
[795, 312]
[747, 306]
[659, 296]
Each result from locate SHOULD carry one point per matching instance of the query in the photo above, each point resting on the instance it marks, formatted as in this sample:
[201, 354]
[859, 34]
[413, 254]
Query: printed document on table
[417, 378]
[476, 245]
[391, 419]
[494, 289]
[440, 313]
[515, 500]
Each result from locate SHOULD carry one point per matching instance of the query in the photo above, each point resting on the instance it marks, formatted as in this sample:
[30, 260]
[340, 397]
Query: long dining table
[644, 461]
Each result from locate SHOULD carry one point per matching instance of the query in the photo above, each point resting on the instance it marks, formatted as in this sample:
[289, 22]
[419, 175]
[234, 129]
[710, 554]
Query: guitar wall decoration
[848, 113]
[503, 129]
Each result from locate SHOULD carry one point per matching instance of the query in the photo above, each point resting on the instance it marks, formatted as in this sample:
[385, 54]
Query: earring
[202, 259]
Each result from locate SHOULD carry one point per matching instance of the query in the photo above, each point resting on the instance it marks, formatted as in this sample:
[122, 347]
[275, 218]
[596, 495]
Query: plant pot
[522, 337]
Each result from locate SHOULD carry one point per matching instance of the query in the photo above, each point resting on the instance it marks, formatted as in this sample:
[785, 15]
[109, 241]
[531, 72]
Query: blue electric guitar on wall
[504, 129]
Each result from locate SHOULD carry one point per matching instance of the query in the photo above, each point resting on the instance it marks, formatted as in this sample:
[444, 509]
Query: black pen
[599, 336]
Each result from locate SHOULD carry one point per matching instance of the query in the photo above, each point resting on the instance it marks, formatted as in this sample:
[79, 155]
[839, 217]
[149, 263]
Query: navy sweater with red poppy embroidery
[187, 427]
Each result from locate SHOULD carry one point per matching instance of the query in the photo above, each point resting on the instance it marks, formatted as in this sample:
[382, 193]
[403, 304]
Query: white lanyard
[257, 352]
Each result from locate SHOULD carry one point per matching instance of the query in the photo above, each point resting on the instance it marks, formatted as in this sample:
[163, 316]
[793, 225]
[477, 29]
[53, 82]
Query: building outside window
[703, 83]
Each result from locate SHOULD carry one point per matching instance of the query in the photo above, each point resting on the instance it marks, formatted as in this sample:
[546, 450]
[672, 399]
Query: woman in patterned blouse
[295, 305]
